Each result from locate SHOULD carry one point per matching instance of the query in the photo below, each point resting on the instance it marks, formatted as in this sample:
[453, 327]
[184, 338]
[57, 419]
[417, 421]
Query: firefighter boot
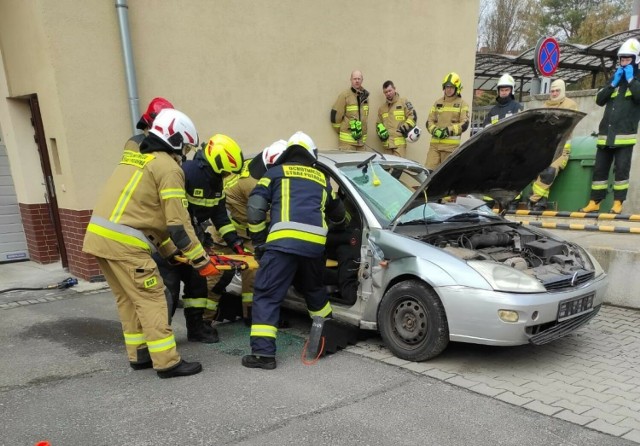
[593, 206]
[259, 362]
[196, 331]
[183, 368]
[617, 207]
[143, 361]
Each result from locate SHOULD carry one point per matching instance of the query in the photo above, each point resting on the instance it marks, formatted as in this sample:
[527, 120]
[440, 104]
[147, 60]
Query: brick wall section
[38, 228]
[74, 226]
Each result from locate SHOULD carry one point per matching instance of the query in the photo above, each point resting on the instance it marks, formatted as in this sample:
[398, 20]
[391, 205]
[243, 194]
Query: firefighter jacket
[392, 114]
[298, 196]
[133, 143]
[452, 113]
[568, 104]
[237, 189]
[504, 108]
[351, 105]
[205, 194]
[619, 124]
[143, 208]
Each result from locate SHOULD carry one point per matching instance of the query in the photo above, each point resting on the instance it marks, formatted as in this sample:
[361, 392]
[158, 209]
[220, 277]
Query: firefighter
[291, 248]
[144, 208]
[145, 122]
[540, 188]
[618, 129]
[204, 185]
[349, 115]
[237, 190]
[396, 118]
[506, 101]
[448, 119]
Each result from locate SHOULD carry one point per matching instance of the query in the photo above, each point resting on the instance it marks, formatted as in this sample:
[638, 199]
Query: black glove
[258, 251]
[404, 129]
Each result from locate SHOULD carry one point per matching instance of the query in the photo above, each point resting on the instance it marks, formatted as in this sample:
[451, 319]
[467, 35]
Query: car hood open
[501, 160]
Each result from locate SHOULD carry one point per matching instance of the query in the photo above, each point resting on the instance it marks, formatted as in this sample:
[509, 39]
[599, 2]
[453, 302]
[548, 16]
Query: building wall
[257, 71]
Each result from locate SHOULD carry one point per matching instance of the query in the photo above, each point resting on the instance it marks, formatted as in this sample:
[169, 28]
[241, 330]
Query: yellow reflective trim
[346, 137]
[118, 237]
[125, 196]
[351, 108]
[134, 338]
[308, 173]
[247, 298]
[165, 242]
[451, 109]
[204, 202]
[212, 305]
[286, 191]
[165, 194]
[621, 186]
[322, 207]
[449, 141]
[323, 312]
[195, 252]
[385, 115]
[226, 229]
[264, 331]
[599, 186]
[198, 192]
[299, 235]
[162, 345]
[197, 302]
[264, 181]
[258, 227]
[335, 126]
[398, 141]
[231, 182]
[237, 224]
[411, 122]
[540, 190]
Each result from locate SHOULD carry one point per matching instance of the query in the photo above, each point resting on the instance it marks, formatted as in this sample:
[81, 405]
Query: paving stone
[608, 428]
[418, 367]
[394, 360]
[486, 390]
[633, 435]
[564, 377]
[438, 374]
[610, 418]
[630, 423]
[546, 398]
[630, 412]
[462, 382]
[572, 417]
[573, 407]
[512, 398]
[377, 355]
[542, 408]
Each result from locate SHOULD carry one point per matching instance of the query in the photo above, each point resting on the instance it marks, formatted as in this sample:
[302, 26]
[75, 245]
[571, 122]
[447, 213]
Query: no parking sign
[547, 56]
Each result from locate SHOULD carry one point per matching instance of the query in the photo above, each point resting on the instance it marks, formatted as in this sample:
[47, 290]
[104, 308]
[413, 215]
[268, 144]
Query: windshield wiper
[465, 216]
[421, 221]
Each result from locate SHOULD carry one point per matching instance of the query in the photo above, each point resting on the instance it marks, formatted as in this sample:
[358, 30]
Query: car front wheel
[412, 321]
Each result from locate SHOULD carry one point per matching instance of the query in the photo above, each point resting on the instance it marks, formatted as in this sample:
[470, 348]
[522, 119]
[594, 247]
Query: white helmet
[303, 140]
[271, 154]
[506, 80]
[630, 47]
[413, 135]
[175, 128]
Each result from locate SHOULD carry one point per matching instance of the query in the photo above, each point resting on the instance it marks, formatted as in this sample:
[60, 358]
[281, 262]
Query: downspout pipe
[130, 71]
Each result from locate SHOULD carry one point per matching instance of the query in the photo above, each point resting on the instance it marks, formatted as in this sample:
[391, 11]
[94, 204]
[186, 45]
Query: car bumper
[473, 314]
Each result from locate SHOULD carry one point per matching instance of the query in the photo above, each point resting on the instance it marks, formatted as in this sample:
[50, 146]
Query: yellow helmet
[453, 80]
[224, 154]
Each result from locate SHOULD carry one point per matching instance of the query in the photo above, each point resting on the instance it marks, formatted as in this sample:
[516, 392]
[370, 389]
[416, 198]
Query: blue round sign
[547, 56]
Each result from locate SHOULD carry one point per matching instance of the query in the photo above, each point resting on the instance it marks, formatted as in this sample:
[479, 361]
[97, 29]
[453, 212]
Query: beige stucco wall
[256, 70]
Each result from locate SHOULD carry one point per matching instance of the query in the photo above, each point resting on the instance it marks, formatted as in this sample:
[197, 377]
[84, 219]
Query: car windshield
[387, 187]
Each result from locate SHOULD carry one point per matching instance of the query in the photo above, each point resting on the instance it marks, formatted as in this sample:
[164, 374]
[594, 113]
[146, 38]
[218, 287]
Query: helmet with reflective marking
[154, 107]
[630, 47]
[271, 154]
[452, 80]
[175, 128]
[224, 154]
[303, 140]
[413, 135]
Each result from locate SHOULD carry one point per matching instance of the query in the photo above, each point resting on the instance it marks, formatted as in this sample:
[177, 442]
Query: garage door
[13, 243]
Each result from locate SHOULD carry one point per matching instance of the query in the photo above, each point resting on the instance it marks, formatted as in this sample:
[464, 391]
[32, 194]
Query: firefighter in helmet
[146, 121]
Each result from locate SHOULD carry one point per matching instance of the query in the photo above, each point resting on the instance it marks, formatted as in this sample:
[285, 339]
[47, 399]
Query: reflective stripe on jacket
[392, 115]
[619, 124]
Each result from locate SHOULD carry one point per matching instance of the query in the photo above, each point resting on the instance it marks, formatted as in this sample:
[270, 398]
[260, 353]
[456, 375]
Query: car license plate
[573, 307]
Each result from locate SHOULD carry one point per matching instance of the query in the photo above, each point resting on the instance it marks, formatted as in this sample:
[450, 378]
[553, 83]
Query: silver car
[436, 263]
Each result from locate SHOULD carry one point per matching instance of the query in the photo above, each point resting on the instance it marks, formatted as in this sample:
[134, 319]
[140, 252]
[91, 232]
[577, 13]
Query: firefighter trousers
[279, 270]
[620, 157]
[142, 306]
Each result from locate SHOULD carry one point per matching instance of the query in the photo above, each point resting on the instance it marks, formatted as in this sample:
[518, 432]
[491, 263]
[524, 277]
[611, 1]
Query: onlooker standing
[618, 129]
[540, 187]
[448, 118]
[349, 115]
[506, 101]
[395, 118]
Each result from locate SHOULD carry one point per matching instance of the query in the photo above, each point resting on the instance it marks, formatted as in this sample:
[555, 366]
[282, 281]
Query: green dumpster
[572, 188]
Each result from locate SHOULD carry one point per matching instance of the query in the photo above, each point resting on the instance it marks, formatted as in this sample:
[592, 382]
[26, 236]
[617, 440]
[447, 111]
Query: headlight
[505, 278]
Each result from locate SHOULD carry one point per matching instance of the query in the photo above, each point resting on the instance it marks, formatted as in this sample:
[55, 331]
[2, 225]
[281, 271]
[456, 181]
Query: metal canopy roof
[576, 62]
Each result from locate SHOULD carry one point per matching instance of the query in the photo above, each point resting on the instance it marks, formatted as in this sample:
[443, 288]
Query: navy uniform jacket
[298, 197]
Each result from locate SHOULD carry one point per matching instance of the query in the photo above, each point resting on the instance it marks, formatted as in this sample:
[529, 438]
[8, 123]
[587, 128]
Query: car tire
[412, 321]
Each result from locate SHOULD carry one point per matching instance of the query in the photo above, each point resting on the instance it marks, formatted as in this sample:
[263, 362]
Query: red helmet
[153, 109]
